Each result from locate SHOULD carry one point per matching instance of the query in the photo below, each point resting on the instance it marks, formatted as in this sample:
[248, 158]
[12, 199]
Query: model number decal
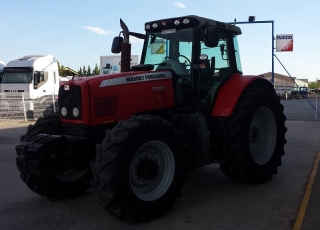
[159, 88]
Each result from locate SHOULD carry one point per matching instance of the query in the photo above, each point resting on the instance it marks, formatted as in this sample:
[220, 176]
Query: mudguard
[231, 91]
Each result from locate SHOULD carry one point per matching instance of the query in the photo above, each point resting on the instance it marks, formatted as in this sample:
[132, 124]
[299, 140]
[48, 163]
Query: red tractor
[132, 136]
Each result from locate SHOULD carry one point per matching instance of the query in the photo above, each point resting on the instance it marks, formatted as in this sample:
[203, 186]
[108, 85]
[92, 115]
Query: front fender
[231, 91]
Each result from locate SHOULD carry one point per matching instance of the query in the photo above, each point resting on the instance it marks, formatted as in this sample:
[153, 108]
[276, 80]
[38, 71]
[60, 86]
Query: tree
[312, 85]
[89, 71]
[84, 71]
[80, 72]
[96, 70]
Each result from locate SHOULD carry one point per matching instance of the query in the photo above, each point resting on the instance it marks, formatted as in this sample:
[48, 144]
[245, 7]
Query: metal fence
[19, 106]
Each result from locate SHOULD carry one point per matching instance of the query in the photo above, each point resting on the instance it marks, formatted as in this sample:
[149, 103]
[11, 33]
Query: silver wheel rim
[152, 170]
[262, 135]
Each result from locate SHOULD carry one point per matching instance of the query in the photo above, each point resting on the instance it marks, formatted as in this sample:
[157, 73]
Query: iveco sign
[284, 42]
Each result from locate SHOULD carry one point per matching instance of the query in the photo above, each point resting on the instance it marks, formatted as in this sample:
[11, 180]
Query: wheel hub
[254, 134]
[147, 169]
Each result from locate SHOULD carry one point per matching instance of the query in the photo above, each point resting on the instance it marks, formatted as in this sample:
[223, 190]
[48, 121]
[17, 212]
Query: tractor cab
[201, 54]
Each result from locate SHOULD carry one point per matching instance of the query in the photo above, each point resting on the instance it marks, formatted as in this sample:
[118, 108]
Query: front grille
[70, 99]
[14, 91]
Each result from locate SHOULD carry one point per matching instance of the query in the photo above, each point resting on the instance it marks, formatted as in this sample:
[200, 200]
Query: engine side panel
[116, 97]
[230, 93]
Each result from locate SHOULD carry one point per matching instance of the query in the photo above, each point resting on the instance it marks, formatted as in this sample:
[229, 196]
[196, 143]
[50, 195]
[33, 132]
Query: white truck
[1, 65]
[33, 78]
[1, 69]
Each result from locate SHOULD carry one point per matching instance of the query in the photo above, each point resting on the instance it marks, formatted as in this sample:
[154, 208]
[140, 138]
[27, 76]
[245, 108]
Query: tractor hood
[112, 97]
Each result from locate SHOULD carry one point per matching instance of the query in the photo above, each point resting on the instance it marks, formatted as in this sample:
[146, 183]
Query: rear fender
[231, 91]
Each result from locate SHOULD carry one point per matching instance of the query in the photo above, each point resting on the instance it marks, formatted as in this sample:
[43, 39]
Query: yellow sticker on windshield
[158, 46]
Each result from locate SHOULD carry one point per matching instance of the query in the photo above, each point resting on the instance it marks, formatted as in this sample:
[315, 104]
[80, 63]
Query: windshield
[17, 77]
[170, 49]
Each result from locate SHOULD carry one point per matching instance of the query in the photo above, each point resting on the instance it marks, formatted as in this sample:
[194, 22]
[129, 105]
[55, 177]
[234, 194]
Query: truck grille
[14, 91]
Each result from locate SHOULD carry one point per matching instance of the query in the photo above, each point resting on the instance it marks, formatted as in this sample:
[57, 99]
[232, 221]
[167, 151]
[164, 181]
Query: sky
[78, 32]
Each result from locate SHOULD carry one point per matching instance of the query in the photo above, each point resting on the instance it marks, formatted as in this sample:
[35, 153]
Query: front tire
[69, 184]
[255, 136]
[139, 168]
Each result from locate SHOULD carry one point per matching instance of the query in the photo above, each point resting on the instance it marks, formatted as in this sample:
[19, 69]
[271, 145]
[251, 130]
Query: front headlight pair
[75, 112]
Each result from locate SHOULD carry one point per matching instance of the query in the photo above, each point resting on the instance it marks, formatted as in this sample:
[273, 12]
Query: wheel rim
[152, 170]
[262, 135]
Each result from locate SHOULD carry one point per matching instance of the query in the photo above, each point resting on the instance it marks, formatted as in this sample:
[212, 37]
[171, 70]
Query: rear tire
[139, 168]
[69, 184]
[255, 136]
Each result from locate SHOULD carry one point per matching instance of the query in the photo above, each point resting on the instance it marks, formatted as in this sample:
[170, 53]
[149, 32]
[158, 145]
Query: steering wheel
[184, 65]
[180, 55]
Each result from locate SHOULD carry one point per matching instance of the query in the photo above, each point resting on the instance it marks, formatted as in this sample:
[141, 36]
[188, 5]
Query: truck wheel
[255, 136]
[139, 168]
[71, 183]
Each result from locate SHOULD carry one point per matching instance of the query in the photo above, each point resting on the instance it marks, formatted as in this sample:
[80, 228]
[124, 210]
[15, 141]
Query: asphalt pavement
[210, 200]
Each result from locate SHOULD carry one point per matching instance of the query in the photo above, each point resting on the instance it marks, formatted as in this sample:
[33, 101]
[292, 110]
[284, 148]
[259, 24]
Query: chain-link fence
[19, 106]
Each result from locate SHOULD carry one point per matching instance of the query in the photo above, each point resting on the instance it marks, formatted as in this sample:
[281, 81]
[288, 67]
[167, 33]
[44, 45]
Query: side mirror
[116, 45]
[36, 78]
[212, 37]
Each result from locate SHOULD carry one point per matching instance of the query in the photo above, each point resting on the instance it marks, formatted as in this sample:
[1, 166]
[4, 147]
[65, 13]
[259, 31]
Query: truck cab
[34, 76]
[299, 92]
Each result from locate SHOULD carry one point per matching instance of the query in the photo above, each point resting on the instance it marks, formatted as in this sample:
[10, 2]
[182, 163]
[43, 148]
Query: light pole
[252, 19]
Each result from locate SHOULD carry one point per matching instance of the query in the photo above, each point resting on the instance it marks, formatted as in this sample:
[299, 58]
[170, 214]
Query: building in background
[283, 84]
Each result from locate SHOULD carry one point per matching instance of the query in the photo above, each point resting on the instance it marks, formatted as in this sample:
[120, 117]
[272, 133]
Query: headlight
[64, 111]
[75, 112]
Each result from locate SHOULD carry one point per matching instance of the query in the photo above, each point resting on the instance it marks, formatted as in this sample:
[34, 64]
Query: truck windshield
[17, 77]
[171, 49]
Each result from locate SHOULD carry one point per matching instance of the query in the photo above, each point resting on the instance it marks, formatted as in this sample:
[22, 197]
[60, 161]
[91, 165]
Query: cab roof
[193, 21]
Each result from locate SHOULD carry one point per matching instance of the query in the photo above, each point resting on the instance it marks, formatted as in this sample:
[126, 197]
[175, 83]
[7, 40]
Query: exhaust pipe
[125, 48]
